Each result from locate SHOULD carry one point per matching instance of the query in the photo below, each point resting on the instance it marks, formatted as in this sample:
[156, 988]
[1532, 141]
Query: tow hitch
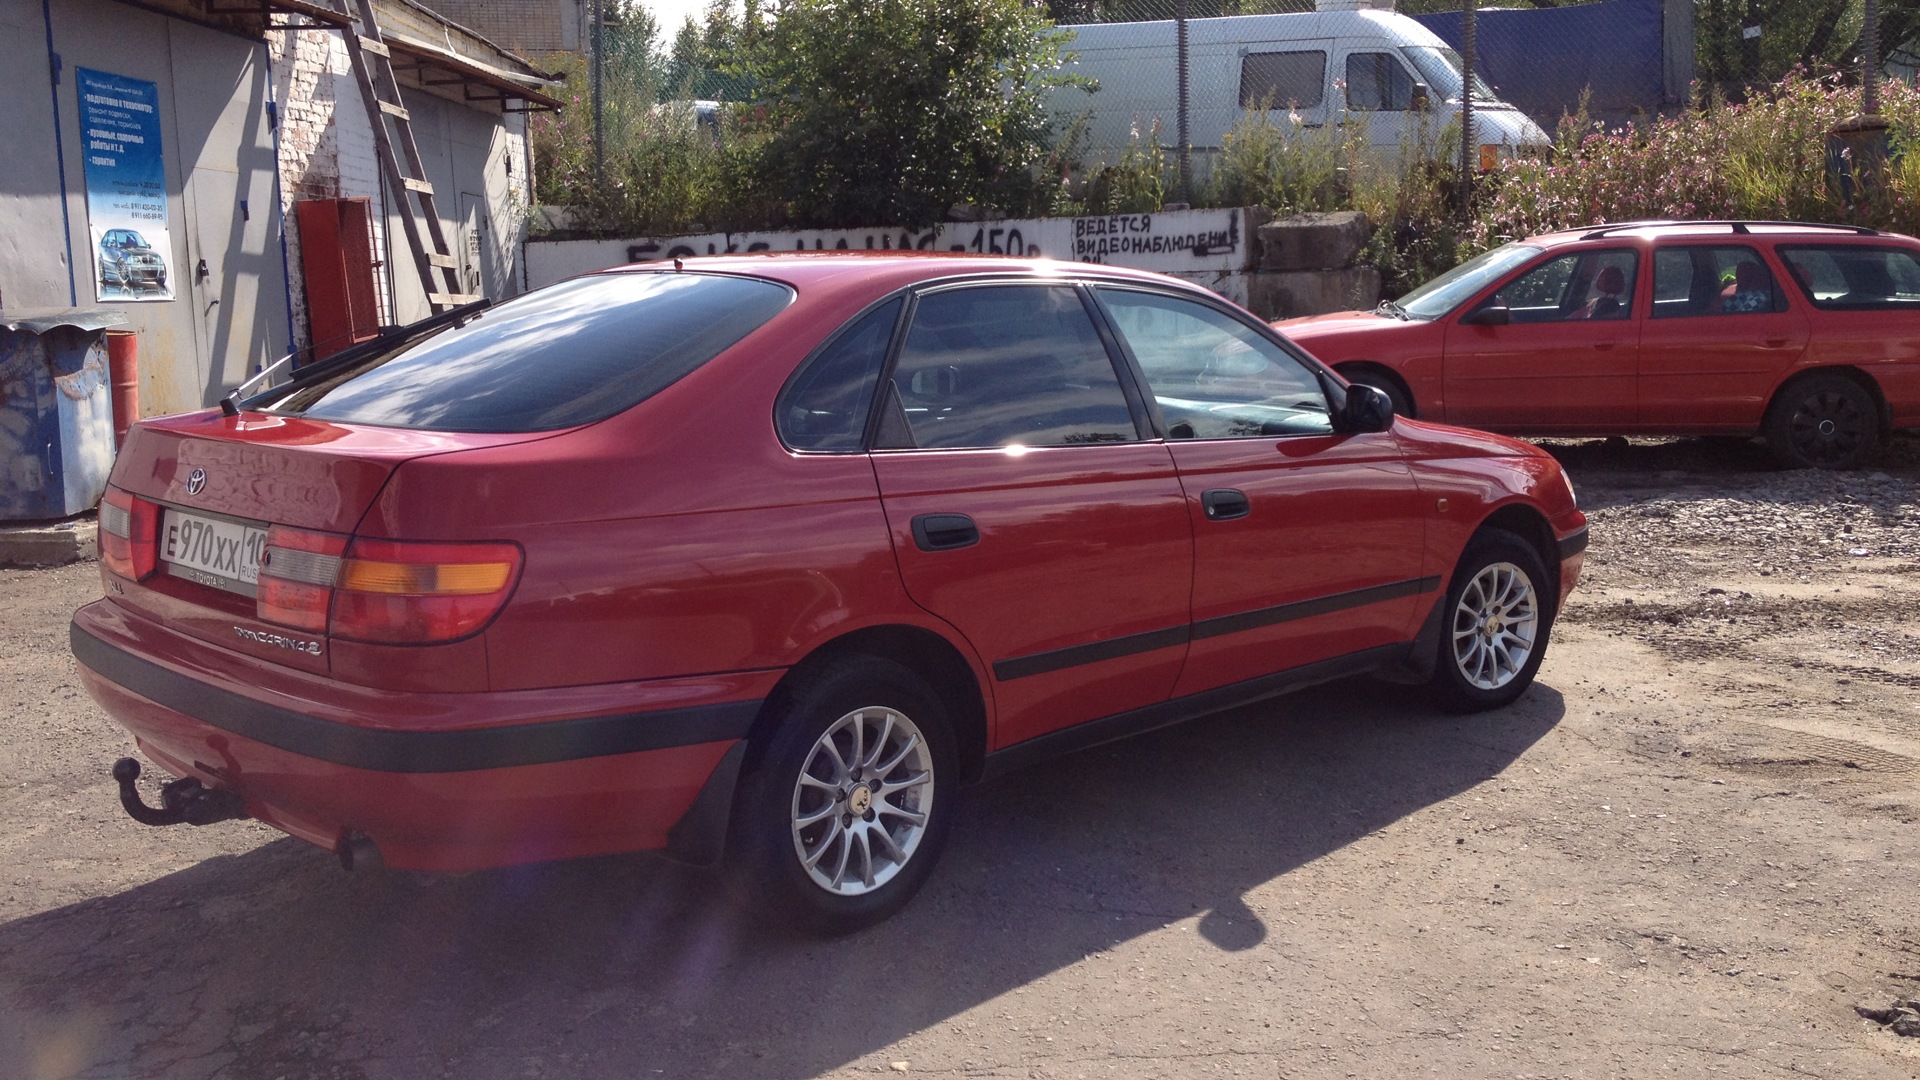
[185, 800]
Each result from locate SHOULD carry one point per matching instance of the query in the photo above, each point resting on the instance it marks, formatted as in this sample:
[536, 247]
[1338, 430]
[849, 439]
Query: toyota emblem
[196, 480]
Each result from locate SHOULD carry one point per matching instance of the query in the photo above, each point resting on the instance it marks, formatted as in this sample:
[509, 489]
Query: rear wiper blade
[388, 338]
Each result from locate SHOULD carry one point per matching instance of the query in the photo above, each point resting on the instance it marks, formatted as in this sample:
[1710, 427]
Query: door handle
[1605, 344]
[944, 532]
[1225, 504]
[1774, 343]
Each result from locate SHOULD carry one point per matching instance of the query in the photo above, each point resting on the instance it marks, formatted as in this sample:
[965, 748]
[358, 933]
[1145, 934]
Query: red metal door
[336, 255]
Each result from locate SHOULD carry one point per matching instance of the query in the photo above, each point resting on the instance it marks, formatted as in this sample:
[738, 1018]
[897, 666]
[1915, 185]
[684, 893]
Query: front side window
[568, 354]
[1586, 285]
[1283, 80]
[1712, 280]
[1213, 376]
[1838, 277]
[1378, 81]
[1005, 365]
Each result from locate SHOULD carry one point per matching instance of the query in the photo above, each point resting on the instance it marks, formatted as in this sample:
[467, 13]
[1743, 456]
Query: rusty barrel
[123, 366]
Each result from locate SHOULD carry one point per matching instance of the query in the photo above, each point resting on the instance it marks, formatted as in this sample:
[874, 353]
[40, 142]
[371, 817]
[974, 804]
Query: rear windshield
[574, 353]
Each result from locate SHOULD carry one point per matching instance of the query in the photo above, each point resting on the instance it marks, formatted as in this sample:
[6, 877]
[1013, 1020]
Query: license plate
[212, 551]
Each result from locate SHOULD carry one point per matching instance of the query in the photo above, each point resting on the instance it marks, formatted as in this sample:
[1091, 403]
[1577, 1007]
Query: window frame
[1551, 255]
[1330, 387]
[875, 395]
[1255, 102]
[1393, 57]
[1758, 254]
[1783, 251]
[882, 409]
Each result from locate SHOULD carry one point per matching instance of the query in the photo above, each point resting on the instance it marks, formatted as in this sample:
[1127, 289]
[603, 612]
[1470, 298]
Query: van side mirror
[1422, 97]
[1492, 313]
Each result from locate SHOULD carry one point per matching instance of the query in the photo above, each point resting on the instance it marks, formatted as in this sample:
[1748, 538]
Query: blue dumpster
[56, 411]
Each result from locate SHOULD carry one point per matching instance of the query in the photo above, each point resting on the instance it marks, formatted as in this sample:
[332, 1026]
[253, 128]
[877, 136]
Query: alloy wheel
[861, 800]
[1495, 625]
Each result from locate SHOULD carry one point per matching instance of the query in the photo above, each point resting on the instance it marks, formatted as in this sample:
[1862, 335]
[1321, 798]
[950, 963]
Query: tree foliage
[888, 112]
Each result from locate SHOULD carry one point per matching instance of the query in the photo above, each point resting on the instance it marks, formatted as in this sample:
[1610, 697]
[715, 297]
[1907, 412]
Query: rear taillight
[297, 574]
[129, 534]
[395, 591]
[384, 591]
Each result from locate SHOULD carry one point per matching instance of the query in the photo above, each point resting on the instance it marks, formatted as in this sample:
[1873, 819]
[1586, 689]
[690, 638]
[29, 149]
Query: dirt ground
[1690, 850]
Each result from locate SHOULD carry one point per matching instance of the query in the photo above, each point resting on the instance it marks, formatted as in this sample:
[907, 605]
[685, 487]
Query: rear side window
[1003, 366]
[1845, 277]
[1280, 80]
[1699, 279]
[574, 353]
[826, 405]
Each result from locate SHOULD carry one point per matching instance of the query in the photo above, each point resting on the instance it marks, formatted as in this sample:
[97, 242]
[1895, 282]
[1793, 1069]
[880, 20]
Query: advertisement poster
[126, 186]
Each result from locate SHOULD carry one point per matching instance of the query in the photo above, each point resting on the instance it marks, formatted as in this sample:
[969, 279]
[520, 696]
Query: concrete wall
[1214, 248]
[222, 209]
[34, 258]
[1304, 265]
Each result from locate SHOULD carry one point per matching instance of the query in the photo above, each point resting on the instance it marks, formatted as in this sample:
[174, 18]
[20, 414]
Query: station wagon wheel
[1824, 422]
[846, 804]
[1494, 623]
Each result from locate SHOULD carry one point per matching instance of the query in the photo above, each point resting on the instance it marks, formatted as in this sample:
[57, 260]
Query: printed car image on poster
[126, 187]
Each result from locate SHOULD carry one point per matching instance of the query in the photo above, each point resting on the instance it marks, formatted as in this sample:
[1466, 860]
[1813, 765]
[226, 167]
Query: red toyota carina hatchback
[766, 556]
[1807, 334]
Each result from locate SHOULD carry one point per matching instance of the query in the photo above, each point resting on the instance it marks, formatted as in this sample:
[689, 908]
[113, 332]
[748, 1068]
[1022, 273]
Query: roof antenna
[678, 265]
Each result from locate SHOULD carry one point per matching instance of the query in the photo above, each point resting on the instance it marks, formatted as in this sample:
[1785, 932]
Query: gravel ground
[1689, 851]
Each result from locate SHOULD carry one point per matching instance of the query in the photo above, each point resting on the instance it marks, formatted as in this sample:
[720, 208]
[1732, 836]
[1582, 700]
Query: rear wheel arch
[1858, 376]
[1368, 373]
[919, 650]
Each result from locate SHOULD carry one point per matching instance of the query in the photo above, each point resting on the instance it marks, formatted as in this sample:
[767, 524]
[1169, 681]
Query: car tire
[1385, 383]
[815, 842]
[1824, 422]
[1494, 624]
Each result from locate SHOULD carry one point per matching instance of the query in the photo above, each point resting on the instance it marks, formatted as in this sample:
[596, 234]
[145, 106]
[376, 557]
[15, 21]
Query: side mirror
[1368, 409]
[1492, 313]
[1422, 97]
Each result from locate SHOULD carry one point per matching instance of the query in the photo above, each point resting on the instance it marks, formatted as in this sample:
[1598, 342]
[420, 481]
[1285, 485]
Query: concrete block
[1291, 293]
[48, 543]
[1314, 241]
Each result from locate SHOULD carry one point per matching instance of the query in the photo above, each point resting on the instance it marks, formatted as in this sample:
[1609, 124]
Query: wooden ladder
[373, 68]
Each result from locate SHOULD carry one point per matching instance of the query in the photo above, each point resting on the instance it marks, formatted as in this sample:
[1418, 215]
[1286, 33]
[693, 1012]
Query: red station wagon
[1807, 334]
[766, 556]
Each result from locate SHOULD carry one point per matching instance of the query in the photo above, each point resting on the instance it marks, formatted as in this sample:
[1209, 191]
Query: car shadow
[275, 963]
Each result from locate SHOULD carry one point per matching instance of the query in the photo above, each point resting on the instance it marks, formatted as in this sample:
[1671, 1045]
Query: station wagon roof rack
[1739, 228]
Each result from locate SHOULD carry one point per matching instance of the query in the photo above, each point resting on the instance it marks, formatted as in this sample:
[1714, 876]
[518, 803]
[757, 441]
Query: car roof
[885, 271]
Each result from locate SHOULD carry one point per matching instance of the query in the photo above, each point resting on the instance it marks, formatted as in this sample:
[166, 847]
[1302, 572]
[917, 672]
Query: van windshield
[1440, 70]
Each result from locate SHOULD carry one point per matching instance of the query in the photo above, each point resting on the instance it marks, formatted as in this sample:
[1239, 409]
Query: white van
[1318, 66]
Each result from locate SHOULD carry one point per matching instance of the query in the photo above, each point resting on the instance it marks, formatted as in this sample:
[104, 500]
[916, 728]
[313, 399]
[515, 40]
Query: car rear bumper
[437, 781]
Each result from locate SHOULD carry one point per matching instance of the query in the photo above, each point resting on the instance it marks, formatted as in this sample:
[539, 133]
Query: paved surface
[1689, 851]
